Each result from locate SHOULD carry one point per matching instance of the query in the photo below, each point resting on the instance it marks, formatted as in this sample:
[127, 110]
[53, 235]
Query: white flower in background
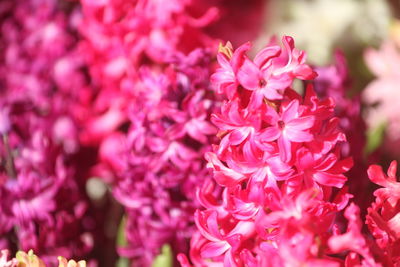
[318, 26]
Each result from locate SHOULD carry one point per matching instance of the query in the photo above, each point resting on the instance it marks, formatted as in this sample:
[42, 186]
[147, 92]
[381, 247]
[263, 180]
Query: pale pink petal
[239, 56]
[269, 134]
[291, 111]
[297, 136]
[301, 123]
[328, 179]
[271, 93]
[214, 249]
[249, 75]
[285, 149]
[265, 55]
[237, 136]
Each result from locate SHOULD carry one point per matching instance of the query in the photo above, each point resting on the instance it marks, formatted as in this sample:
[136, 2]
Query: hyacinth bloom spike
[277, 163]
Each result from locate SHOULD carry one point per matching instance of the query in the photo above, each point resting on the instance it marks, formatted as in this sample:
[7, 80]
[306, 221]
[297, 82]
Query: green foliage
[122, 262]
[121, 239]
[165, 258]
[374, 138]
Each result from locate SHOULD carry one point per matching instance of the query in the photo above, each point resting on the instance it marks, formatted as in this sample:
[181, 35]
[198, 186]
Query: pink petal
[277, 166]
[249, 75]
[305, 159]
[342, 166]
[285, 149]
[304, 72]
[291, 111]
[201, 223]
[271, 93]
[239, 56]
[302, 123]
[266, 54]
[392, 171]
[377, 176]
[327, 163]
[394, 225]
[222, 174]
[229, 261]
[236, 137]
[328, 179]
[256, 99]
[270, 134]
[214, 249]
[297, 136]
[224, 62]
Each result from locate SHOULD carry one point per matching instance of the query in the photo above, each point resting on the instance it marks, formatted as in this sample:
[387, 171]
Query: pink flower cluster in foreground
[278, 196]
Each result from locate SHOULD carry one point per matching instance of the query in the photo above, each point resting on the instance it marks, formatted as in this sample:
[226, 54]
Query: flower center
[281, 125]
[262, 83]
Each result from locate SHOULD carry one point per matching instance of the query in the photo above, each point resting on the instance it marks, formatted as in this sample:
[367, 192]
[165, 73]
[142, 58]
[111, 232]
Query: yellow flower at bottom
[71, 263]
[28, 260]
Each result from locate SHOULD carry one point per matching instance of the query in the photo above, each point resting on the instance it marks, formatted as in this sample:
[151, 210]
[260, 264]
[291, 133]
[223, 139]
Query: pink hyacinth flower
[225, 78]
[272, 72]
[287, 128]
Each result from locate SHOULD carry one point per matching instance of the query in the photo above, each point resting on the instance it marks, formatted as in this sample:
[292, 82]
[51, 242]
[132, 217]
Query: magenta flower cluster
[42, 206]
[279, 175]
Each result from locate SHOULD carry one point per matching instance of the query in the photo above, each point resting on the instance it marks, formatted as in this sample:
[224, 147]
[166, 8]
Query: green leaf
[121, 242]
[375, 138]
[122, 262]
[165, 258]
[121, 239]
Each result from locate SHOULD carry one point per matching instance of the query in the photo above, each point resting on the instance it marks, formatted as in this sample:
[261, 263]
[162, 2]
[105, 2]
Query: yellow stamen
[226, 49]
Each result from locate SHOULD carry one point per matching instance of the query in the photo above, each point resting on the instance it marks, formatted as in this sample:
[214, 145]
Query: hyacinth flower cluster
[159, 161]
[43, 204]
[149, 115]
[278, 196]
[118, 38]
